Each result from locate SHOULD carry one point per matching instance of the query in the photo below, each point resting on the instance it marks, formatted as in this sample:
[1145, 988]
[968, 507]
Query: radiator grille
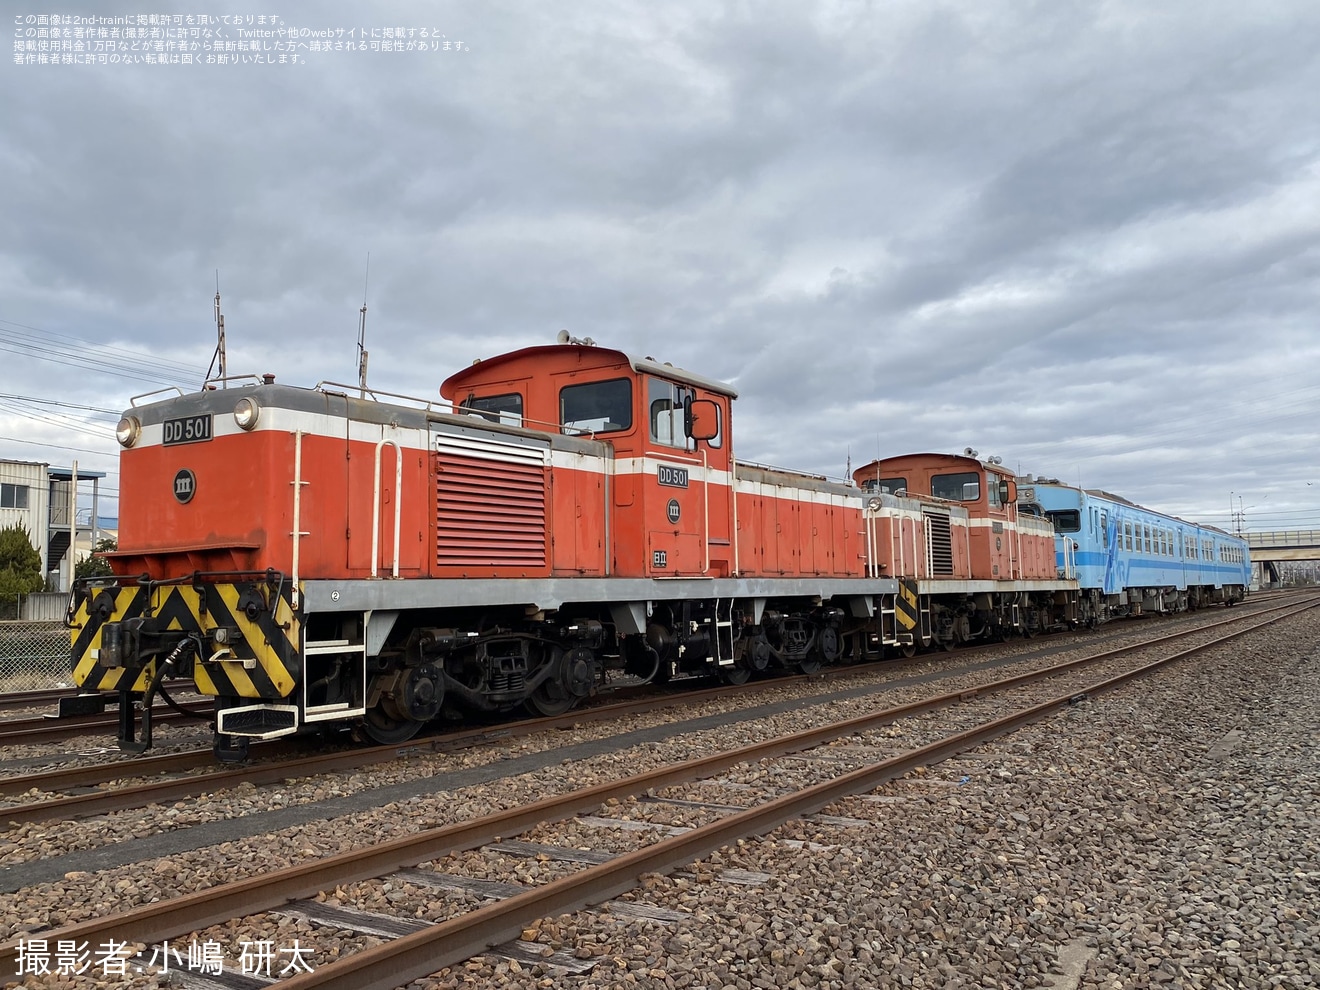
[490, 504]
[939, 545]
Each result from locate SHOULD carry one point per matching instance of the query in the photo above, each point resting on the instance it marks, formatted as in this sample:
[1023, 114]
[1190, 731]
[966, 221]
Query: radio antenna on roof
[219, 338]
[362, 332]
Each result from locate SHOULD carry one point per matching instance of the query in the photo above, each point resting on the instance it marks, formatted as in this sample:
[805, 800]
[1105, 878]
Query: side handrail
[398, 502]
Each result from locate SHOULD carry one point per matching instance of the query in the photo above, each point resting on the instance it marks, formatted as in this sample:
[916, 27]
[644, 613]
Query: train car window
[964, 487]
[1065, 520]
[1127, 536]
[506, 409]
[1145, 532]
[596, 407]
[664, 404]
[1104, 526]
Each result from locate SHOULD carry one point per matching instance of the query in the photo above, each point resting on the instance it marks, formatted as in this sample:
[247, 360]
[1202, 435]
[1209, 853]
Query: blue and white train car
[1129, 559]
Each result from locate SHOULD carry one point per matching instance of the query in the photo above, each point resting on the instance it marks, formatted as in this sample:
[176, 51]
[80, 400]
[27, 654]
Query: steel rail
[175, 916]
[41, 696]
[120, 799]
[48, 728]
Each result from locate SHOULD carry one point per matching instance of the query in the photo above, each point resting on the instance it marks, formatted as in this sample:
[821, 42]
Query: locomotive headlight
[874, 504]
[246, 414]
[128, 431]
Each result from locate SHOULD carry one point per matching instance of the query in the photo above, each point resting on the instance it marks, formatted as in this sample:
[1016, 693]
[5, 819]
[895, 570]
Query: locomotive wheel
[737, 674]
[809, 665]
[549, 700]
[573, 679]
[908, 650]
[387, 730]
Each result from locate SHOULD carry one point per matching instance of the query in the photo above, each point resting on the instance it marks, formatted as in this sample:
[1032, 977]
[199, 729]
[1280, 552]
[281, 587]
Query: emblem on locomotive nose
[672, 510]
[185, 486]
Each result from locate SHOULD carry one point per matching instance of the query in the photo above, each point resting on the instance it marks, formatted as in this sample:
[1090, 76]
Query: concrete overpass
[1268, 549]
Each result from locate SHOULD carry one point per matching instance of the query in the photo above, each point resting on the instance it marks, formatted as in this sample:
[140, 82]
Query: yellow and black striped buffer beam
[905, 605]
[262, 661]
[85, 641]
[259, 660]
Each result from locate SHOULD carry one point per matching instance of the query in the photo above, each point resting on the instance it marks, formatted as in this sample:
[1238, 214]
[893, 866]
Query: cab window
[891, 485]
[717, 440]
[664, 410]
[596, 407]
[1065, 520]
[964, 487]
[506, 409]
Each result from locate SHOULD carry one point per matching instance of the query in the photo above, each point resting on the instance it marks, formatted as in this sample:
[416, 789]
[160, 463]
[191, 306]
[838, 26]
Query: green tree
[94, 566]
[20, 564]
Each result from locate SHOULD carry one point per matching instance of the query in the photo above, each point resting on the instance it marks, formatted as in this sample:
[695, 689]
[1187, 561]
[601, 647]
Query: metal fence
[34, 655]
[41, 606]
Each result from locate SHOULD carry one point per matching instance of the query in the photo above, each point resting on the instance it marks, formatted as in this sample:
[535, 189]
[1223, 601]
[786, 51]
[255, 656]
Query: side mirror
[701, 419]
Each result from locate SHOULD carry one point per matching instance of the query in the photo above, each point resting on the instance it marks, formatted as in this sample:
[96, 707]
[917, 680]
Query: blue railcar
[1129, 559]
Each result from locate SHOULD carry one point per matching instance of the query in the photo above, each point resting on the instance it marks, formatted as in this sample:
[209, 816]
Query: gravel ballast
[1160, 835]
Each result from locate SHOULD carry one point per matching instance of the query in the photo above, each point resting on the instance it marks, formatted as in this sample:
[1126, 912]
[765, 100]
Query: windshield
[1066, 520]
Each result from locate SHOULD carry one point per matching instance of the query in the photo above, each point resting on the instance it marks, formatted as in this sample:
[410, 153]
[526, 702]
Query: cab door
[685, 488]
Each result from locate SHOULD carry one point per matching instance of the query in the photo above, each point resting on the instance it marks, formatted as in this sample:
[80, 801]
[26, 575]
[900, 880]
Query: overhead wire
[40, 335]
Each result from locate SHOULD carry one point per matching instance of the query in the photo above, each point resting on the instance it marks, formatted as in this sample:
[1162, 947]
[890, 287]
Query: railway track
[421, 948]
[283, 760]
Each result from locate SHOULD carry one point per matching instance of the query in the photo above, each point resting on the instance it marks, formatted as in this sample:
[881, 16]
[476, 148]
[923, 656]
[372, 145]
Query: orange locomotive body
[572, 516]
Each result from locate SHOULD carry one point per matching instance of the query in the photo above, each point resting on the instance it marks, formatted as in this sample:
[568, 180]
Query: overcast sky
[1083, 237]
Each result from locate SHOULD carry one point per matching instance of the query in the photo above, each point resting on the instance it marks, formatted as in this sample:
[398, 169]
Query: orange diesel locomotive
[572, 516]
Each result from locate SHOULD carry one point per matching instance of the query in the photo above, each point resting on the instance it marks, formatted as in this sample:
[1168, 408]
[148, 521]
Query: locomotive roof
[950, 459]
[585, 354]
